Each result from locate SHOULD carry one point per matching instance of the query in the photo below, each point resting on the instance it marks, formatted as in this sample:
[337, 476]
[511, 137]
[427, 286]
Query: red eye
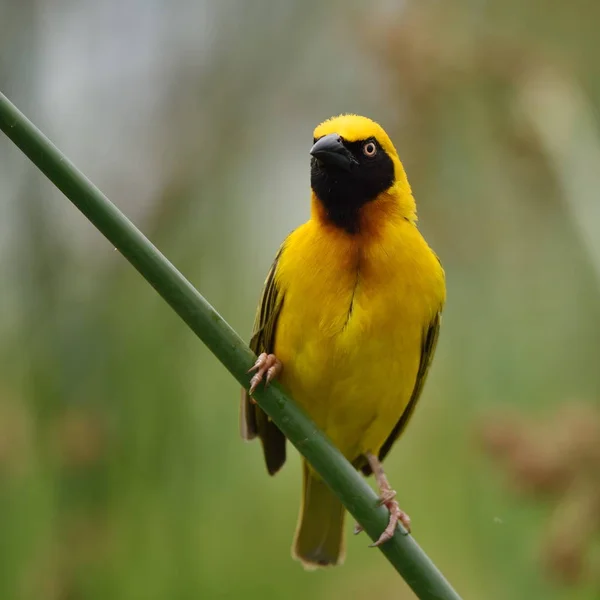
[370, 149]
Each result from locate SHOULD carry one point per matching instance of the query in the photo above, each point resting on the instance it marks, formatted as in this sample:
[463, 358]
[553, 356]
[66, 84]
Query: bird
[348, 322]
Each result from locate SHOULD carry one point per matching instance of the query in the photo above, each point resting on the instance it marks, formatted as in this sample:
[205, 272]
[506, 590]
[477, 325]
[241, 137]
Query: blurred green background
[122, 474]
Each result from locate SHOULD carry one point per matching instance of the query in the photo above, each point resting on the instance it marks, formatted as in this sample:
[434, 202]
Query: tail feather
[319, 540]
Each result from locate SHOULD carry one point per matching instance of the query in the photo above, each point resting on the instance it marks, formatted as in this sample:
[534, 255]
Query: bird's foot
[267, 366]
[387, 498]
[397, 515]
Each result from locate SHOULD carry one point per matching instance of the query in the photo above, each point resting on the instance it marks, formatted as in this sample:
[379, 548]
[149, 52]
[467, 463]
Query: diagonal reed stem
[402, 551]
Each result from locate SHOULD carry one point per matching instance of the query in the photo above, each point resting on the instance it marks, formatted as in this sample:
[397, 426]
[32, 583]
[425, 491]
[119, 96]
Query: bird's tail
[319, 540]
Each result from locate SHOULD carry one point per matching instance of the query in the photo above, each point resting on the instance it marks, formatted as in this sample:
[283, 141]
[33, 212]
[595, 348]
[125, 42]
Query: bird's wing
[253, 420]
[427, 351]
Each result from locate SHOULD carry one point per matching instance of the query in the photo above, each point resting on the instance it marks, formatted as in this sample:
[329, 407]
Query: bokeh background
[121, 472]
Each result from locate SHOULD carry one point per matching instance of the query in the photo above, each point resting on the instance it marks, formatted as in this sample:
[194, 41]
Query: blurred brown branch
[556, 459]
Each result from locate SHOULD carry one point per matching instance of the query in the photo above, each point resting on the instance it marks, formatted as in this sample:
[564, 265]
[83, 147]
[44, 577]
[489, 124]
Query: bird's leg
[387, 497]
[266, 364]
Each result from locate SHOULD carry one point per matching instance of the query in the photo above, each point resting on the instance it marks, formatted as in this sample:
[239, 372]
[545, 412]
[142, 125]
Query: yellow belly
[351, 327]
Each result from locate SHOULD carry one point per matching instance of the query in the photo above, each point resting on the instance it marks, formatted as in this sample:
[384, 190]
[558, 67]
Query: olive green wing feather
[427, 351]
[253, 420]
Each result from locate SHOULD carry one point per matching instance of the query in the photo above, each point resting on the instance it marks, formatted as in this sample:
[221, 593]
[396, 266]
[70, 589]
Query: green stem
[402, 551]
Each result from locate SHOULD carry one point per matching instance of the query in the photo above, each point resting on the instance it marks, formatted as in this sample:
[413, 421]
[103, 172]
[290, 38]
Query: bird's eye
[370, 149]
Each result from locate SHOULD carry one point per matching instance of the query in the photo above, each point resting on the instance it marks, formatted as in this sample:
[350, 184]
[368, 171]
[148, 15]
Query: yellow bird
[348, 321]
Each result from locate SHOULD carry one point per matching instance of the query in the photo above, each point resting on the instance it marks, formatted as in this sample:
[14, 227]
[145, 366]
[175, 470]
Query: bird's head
[355, 166]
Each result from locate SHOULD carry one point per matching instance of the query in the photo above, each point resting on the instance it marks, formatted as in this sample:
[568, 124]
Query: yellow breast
[349, 335]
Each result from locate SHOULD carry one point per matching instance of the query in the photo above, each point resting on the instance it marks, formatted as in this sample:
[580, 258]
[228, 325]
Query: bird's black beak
[330, 150]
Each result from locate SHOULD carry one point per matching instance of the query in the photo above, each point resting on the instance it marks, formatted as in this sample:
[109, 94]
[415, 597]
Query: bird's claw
[387, 498]
[267, 366]
[397, 515]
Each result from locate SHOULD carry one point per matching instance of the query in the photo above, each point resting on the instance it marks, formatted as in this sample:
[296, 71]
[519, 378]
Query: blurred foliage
[121, 471]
